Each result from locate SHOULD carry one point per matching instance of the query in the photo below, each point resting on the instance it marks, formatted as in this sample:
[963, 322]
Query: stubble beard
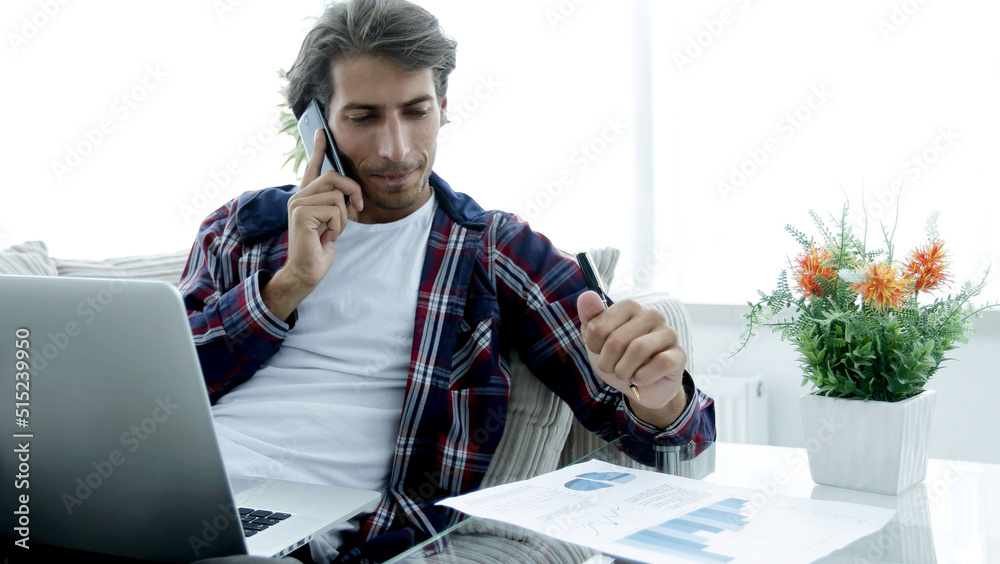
[399, 196]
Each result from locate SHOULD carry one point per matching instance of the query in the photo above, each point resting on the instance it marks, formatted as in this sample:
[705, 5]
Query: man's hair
[396, 30]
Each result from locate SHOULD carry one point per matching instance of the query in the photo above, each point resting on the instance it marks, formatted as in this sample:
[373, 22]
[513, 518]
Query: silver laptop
[110, 445]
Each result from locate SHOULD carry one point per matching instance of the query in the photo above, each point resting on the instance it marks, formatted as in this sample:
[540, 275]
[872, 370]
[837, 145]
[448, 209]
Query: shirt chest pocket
[476, 357]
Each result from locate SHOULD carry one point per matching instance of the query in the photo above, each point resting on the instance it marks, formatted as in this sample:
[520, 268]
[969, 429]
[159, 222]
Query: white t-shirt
[326, 407]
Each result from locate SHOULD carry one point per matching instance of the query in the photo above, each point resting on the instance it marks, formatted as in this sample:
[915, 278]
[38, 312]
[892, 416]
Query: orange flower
[926, 265]
[809, 266]
[883, 287]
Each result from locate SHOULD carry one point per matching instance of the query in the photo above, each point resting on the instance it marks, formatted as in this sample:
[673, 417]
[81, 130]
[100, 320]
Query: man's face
[385, 120]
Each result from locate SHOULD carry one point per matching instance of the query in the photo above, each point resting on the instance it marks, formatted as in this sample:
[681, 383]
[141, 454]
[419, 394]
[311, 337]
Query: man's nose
[392, 140]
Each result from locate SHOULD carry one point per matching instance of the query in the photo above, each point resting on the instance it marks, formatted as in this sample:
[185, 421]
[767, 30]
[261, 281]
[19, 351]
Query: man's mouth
[394, 177]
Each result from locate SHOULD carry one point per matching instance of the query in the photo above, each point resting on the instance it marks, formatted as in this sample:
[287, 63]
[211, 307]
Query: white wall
[965, 415]
[188, 110]
[765, 110]
[541, 105]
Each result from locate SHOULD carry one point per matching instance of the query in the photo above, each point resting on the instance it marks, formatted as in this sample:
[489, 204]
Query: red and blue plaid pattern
[490, 284]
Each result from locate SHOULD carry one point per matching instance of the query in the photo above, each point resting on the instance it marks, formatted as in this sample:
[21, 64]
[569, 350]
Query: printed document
[652, 517]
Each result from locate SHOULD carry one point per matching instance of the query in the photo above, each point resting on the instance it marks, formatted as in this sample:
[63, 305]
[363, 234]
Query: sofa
[541, 433]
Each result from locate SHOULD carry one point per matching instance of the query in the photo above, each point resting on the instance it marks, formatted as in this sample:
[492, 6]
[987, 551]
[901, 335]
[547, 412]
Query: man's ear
[444, 110]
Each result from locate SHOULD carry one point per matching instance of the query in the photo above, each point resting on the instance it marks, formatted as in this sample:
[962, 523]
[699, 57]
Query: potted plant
[869, 335]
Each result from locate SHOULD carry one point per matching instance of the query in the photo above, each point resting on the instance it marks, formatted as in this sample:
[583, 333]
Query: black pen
[594, 283]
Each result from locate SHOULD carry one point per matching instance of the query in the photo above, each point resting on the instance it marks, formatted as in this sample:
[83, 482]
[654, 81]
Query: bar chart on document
[735, 531]
[690, 536]
[652, 517]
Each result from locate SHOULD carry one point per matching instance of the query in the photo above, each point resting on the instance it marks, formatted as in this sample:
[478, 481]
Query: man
[367, 344]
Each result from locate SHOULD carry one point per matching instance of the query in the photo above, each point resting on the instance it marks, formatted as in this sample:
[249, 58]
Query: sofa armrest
[535, 432]
[538, 422]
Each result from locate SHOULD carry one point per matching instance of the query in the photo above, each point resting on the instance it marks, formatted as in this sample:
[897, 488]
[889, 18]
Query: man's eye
[418, 113]
[359, 119]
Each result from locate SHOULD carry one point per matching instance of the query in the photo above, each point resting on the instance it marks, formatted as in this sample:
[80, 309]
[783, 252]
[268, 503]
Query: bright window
[129, 122]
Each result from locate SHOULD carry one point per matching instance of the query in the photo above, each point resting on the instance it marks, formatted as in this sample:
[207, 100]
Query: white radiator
[740, 407]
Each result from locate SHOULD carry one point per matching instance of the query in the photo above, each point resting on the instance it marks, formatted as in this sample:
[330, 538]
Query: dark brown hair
[396, 30]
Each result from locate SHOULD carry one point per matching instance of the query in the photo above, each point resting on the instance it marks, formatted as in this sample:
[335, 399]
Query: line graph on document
[600, 523]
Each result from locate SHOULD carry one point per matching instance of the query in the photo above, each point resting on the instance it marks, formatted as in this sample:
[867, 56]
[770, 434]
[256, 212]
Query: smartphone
[311, 120]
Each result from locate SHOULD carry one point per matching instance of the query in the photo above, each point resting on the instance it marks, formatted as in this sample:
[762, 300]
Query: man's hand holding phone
[317, 214]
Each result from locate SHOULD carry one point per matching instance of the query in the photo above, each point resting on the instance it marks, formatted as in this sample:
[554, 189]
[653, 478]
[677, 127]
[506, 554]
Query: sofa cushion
[538, 422]
[30, 258]
[166, 267]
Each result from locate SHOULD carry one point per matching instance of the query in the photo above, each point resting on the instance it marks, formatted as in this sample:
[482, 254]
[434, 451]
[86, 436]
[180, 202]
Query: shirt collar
[264, 213]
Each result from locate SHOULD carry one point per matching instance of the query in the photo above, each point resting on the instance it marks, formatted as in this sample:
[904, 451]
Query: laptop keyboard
[256, 520]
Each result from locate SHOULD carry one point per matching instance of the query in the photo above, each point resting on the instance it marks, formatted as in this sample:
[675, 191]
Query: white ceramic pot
[872, 446]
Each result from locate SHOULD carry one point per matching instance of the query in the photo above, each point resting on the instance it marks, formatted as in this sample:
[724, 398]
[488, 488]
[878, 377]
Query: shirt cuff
[249, 324]
[681, 427]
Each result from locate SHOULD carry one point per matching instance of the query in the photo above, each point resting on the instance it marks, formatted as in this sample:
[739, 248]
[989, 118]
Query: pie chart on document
[597, 480]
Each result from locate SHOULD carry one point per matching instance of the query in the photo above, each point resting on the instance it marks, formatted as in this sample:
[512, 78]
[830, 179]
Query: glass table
[952, 516]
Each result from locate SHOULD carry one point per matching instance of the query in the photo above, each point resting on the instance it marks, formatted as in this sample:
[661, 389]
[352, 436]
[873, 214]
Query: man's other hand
[629, 344]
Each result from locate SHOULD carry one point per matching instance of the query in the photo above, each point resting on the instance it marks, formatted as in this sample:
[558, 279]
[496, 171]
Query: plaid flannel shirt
[489, 284]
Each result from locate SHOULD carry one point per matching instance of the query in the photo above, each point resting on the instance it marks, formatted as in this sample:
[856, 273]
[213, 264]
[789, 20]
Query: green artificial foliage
[863, 323]
[288, 125]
